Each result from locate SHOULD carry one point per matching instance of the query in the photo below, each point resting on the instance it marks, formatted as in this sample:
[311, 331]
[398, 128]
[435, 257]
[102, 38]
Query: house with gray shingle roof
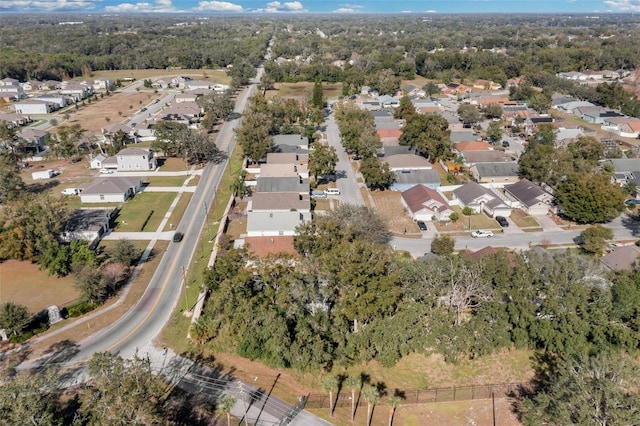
[272, 214]
[499, 172]
[114, 189]
[426, 204]
[283, 184]
[529, 196]
[478, 198]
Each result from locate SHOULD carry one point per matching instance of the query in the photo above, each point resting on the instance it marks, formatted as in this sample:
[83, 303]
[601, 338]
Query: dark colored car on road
[177, 237]
[502, 221]
[421, 225]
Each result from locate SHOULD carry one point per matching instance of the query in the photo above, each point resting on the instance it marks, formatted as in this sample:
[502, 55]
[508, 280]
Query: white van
[332, 191]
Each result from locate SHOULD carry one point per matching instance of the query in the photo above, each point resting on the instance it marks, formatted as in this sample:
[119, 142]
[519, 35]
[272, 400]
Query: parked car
[106, 171]
[332, 191]
[422, 225]
[502, 221]
[480, 233]
[505, 144]
[177, 237]
[632, 201]
[316, 193]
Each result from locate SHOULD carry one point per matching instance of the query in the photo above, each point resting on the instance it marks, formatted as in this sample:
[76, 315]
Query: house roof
[473, 146]
[470, 192]
[389, 133]
[280, 201]
[407, 161]
[621, 258]
[134, 152]
[525, 191]
[496, 169]
[291, 140]
[476, 157]
[283, 184]
[418, 196]
[625, 164]
[87, 220]
[111, 185]
[279, 170]
[457, 137]
[286, 158]
[421, 176]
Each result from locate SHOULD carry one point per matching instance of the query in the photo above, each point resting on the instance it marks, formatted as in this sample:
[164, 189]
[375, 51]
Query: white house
[87, 225]
[110, 189]
[97, 162]
[478, 198]
[426, 204]
[30, 107]
[131, 159]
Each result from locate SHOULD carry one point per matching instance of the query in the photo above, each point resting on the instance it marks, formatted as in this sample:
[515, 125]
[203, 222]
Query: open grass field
[172, 164]
[390, 207]
[25, 284]
[219, 76]
[168, 181]
[144, 212]
[304, 90]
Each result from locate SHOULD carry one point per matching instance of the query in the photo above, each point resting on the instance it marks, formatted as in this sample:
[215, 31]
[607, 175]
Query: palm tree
[330, 384]
[225, 404]
[353, 383]
[371, 394]
[393, 402]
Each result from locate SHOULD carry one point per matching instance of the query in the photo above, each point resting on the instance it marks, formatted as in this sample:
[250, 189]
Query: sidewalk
[548, 225]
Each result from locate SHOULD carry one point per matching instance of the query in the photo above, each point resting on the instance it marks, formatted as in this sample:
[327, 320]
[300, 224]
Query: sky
[321, 6]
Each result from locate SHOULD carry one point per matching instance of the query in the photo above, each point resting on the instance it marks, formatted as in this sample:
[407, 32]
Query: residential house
[184, 112]
[571, 107]
[474, 157]
[410, 170]
[34, 139]
[481, 84]
[185, 97]
[463, 136]
[14, 120]
[298, 185]
[86, 224]
[9, 82]
[60, 101]
[529, 196]
[626, 127]
[287, 158]
[132, 159]
[478, 198]
[96, 162]
[387, 101]
[290, 143]
[622, 258]
[625, 170]
[102, 83]
[33, 106]
[116, 189]
[277, 214]
[499, 173]
[76, 91]
[426, 204]
[473, 146]
[262, 247]
[283, 170]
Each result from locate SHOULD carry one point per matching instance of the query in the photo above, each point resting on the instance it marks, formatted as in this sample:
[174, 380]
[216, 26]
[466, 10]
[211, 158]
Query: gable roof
[473, 146]
[469, 192]
[111, 185]
[389, 133]
[134, 152]
[525, 191]
[486, 157]
[407, 161]
[496, 169]
[417, 196]
[420, 176]
[263, 246]
[291, 140]
[621, 258]
[283, 184]
[280, 201]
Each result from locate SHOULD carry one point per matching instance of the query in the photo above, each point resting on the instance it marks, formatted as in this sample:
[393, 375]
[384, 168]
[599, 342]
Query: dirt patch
[115, 108]
[25, 284]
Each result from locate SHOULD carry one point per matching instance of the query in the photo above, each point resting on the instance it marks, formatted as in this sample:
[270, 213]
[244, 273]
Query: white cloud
[430, 11]
[158, 6]
[47, 5]
[344, 10]
[218, 6]
[288, 6]
[624, 5]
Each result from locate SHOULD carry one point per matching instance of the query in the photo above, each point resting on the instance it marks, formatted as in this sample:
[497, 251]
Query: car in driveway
[632, 201]
[502, 221]
[422, 225]
[482, 233]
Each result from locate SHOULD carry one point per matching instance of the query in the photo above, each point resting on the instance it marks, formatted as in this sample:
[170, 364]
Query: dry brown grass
[390, 207]
[25, 284]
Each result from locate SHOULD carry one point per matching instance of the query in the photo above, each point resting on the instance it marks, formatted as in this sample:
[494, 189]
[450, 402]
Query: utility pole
[206, 214]
[186, 298]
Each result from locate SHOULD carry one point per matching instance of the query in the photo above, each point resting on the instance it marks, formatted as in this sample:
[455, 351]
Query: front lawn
[144, 212]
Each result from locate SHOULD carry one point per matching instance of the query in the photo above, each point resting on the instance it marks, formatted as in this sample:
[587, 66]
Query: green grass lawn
[178, 212]
[170, 164]
[144, 207]
[171, 181]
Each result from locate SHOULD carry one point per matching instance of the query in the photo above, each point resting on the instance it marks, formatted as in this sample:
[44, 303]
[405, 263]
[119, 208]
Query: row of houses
[281, 199]
[428, 204]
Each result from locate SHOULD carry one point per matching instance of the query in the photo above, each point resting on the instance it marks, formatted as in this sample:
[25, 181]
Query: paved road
[346, 181]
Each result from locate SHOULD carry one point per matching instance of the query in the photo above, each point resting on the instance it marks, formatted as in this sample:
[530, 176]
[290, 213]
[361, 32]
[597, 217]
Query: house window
[102, 197]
